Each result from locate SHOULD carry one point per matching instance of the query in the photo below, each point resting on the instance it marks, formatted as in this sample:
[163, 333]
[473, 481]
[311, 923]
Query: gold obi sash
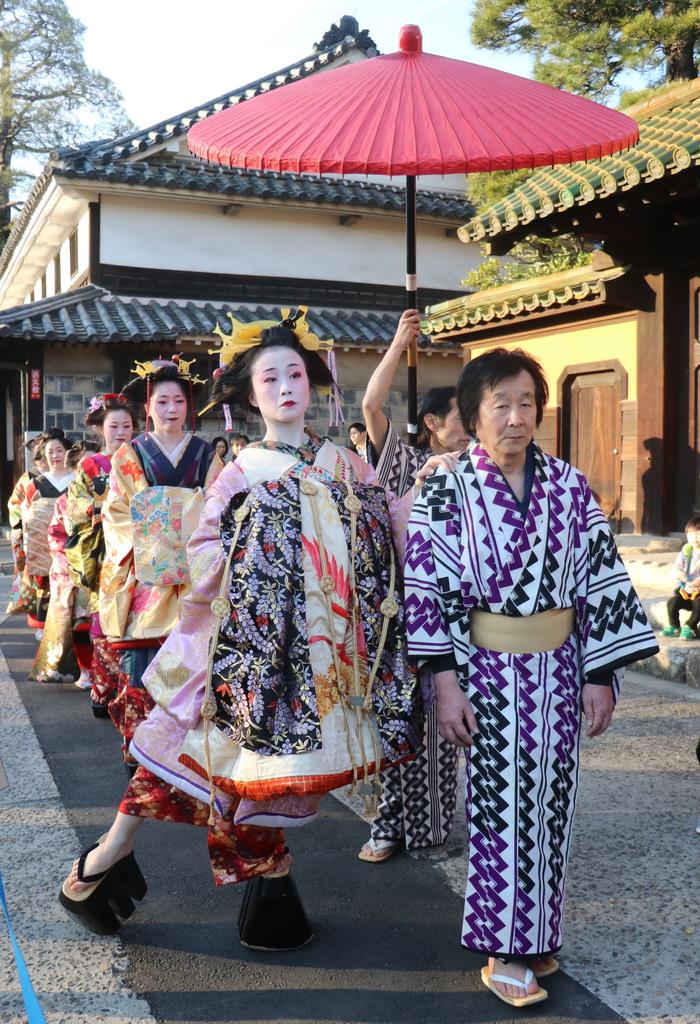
[525, 634]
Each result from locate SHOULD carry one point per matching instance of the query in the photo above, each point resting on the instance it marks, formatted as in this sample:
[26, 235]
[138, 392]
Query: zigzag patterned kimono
[469, 546]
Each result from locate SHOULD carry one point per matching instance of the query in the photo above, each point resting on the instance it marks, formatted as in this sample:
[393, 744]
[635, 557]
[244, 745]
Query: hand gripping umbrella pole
[411, 303]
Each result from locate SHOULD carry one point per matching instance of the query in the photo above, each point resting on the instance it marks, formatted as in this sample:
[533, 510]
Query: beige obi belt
[523, 634]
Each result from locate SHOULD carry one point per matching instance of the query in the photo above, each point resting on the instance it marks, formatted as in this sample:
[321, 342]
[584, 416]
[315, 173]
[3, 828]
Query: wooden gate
[591, 397]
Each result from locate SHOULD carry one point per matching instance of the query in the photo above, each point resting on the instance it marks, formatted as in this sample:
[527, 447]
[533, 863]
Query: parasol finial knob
[411, 39]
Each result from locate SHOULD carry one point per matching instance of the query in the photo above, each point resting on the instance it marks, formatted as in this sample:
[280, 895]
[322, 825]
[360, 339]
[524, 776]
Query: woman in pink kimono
[286, 675]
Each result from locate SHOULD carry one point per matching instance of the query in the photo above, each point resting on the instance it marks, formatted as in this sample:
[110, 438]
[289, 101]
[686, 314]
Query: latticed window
[73, 252]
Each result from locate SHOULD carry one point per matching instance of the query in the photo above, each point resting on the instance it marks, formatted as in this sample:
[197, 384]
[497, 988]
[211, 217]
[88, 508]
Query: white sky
[168, 55]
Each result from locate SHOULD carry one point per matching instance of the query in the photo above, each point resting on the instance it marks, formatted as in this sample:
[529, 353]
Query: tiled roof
[107, 151]
[194, 175]
[669, 128]
[93, 315]
[495, 306]
[117, 160]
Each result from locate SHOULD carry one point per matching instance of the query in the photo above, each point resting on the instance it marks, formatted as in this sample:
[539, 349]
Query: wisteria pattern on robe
[469, 546]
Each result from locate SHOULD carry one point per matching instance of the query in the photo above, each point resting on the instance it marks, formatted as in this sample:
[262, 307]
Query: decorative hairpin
[98, 402]
[147, 370]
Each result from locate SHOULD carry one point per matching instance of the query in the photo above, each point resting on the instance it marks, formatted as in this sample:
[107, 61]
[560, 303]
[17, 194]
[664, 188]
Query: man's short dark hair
[488, 370]
[693, 524]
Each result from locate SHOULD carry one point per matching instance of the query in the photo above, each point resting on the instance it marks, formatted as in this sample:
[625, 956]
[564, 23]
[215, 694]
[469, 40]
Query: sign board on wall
[35, 384]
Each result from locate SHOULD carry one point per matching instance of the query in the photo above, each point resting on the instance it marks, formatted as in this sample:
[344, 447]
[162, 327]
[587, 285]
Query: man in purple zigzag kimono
[518, 602]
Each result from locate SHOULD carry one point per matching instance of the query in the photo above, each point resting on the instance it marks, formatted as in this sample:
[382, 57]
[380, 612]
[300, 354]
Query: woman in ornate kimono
[517, 600]
[22, 598]
[56, 659]
[114, 420]
[286, 674]
[155, 498]
[37, 510]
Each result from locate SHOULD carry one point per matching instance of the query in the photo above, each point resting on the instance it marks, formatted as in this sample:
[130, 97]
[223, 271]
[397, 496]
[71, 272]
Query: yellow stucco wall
[554, 349]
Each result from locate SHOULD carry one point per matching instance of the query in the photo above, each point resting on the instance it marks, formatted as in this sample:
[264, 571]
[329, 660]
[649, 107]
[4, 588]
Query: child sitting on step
[686, 596]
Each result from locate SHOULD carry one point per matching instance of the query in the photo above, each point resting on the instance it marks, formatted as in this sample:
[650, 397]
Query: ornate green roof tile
[497, 305]
[669, 128]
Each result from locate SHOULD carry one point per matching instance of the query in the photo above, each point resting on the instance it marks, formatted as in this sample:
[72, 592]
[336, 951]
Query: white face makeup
[280, 388]
[55, 455]
[167, 408]
[116, 429]
[508, 417]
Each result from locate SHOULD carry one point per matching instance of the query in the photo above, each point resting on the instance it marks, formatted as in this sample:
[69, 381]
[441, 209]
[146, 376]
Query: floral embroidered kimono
[37, 512]
[85, 553]
[471, 549]
[301, 622]
[22, 597]
[152, 506]
[55, 659]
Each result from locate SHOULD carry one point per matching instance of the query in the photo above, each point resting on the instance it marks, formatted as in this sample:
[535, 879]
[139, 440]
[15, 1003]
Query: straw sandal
[109, 897]
[377, 850]
[553, 967]
[527, 999]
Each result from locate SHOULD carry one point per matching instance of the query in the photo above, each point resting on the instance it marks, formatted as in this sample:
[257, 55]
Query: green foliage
[49, 97]
[586, 45]
[533, 257]
[484, 190]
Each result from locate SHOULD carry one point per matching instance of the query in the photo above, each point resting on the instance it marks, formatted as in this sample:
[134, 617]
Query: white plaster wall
[272, 241]
[77, 359]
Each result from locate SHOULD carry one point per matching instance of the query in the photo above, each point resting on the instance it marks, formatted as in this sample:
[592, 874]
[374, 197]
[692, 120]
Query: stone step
[678, 660]
[651, 571]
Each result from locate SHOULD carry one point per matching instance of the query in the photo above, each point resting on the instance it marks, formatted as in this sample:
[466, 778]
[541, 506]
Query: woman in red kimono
[114, 420]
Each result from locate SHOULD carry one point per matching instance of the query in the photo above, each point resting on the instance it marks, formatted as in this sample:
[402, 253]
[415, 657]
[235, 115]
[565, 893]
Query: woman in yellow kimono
[22, 597]
[114, 420]
[37, 511]
[155, 498]
[56, 658]
[286, 675]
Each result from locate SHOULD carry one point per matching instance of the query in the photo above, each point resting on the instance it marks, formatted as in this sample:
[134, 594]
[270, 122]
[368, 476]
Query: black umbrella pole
[411, 303]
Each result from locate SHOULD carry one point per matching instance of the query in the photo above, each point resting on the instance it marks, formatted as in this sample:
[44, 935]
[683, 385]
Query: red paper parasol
[411, 113]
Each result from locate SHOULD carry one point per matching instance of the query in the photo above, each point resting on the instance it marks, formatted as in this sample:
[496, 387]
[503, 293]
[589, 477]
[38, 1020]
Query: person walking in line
[518, 602]
[22, 596]
[155, 497]
[37, 509]
[220, 446]
[417, 805]
[59, 657]
[285, 676]
[114, 421]
[238, 443]
[357, 436]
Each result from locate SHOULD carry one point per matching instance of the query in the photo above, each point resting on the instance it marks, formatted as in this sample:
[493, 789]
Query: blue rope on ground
[31, 1003]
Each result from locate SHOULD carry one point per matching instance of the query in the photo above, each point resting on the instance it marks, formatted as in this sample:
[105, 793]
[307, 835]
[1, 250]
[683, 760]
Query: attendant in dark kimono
[517, 600]
[418, 799]
[155, 499]
[37, 513]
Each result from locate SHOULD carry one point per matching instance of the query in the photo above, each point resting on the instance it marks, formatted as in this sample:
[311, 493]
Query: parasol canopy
[411, 113]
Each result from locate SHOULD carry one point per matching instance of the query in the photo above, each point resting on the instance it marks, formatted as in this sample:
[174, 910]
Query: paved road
[387, 947]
